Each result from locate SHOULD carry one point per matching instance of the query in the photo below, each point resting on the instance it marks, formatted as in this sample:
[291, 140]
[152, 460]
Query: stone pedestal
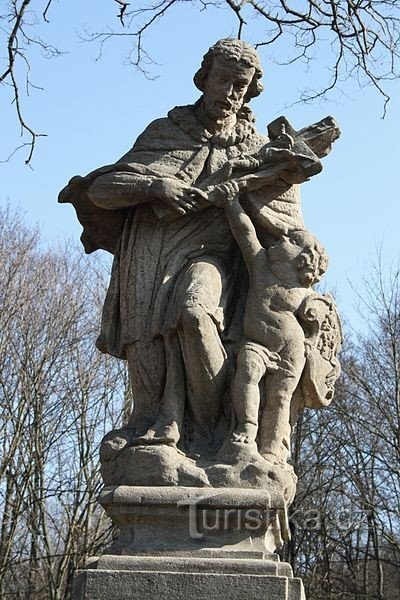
[181, 585]
[191, 543]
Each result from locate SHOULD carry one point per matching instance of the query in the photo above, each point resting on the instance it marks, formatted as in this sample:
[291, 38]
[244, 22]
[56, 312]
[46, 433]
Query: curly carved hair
[239, 51]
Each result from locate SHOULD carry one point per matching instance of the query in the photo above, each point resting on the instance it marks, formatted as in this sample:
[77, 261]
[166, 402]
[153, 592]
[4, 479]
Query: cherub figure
[280, 280]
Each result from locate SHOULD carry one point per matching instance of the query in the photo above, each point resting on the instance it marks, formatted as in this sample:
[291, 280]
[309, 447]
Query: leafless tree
[348, 461]
[58, 397]
[360, 36]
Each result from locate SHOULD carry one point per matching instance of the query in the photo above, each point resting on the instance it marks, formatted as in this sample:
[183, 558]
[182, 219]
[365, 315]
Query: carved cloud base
[236, 465]
[191, 543]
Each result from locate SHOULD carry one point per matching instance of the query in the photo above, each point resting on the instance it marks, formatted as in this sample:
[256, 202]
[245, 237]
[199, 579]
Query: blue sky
[92, 112]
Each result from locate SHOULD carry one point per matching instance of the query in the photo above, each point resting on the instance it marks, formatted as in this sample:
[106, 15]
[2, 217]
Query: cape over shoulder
[159, 151]
[102, 228]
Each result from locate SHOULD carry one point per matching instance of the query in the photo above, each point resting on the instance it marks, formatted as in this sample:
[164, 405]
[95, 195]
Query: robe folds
[153, 245]
[157, 250]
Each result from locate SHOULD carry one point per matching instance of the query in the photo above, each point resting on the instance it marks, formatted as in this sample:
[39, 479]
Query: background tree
[360, 37]
[346, 519]
[58, 397]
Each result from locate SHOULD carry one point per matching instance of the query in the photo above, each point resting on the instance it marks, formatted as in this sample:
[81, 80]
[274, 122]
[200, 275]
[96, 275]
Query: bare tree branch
[124, 6]
[362, 38]
[44, 14]
[16, 52]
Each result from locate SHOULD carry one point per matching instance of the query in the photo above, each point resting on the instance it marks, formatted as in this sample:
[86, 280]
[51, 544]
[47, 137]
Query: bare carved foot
[114, 442]
[160, 433]
[245, 433]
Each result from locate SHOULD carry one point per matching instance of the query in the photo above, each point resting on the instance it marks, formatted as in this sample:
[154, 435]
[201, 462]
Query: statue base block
[99, 584]
[183, 543]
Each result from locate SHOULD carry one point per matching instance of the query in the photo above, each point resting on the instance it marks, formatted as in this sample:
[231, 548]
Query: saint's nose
[227, 86]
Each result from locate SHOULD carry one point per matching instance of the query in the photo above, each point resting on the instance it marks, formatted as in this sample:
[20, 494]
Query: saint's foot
[160, 433]
[115, 441]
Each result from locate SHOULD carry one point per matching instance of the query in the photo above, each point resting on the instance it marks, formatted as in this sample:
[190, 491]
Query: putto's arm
[242, 227]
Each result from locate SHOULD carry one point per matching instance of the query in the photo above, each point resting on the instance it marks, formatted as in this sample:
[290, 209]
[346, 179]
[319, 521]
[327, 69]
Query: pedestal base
[171, 520]
[93, 584]
[191, 544]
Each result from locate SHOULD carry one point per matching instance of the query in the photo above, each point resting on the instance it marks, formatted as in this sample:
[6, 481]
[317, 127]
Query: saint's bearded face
[225, 88]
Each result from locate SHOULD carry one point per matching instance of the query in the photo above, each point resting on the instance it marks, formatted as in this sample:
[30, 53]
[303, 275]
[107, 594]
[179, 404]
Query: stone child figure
[280, 279]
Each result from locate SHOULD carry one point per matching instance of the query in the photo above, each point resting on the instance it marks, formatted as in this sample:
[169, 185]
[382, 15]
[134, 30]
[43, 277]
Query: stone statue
[211, 298]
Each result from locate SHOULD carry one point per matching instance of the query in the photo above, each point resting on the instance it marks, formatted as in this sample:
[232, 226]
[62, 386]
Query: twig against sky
[363, 37]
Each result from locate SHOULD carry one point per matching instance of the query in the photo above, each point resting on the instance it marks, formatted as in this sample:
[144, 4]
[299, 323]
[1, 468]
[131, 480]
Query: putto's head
[304, 252]
[236, 52]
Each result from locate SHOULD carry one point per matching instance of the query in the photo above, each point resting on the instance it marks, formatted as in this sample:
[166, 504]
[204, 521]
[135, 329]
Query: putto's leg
[246, 395]
[275, 422]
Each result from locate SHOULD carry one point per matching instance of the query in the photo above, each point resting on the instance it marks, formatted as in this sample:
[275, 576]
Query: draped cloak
[153, 244]
[155, 247]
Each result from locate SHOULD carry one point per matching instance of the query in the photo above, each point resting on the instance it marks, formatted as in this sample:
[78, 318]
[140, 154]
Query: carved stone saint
[211, 298]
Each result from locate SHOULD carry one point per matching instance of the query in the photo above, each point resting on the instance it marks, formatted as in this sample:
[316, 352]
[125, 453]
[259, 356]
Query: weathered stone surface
[220, 362]
[212, 303]
[236, 466]
[195, 564]
[189, 519]
[186, 542]
[152, 465]
[147, 585]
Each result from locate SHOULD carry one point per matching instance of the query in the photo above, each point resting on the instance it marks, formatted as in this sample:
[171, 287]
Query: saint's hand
[180, 196]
